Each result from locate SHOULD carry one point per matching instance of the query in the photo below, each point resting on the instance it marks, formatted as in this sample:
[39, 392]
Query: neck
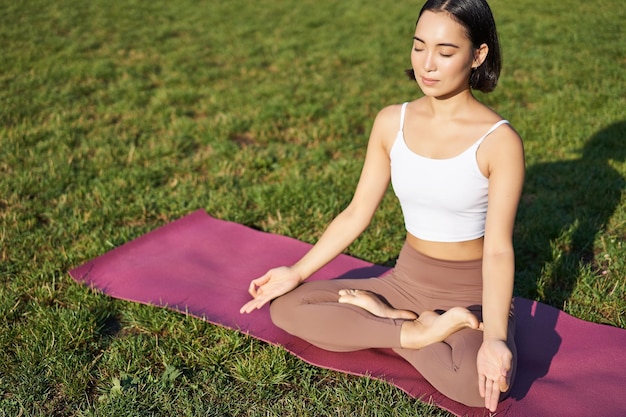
[450, 106]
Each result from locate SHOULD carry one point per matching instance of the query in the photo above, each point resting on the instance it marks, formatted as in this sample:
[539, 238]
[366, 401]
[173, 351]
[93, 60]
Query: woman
[457, 169]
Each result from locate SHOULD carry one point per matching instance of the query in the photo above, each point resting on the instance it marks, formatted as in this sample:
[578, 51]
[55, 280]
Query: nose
[429, 62]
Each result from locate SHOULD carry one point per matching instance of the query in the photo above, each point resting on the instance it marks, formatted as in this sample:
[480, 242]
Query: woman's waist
[438, 276]
[469, 250]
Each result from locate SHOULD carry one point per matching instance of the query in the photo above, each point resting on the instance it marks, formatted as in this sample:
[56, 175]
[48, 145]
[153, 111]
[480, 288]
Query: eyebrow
[439, 44]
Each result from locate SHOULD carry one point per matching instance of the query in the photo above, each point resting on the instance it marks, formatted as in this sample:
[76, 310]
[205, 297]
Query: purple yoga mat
[202, 266]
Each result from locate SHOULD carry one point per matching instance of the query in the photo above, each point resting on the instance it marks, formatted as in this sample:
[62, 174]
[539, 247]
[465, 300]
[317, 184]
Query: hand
[493, 362]
[274, 283]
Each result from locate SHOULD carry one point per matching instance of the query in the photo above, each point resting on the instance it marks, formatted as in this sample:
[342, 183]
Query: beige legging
[417, 283]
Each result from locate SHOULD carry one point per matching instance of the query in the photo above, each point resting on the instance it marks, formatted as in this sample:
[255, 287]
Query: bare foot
[370, 302]
[431, 327]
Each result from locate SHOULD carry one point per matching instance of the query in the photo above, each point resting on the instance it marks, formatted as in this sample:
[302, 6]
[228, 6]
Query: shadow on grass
[564, 207]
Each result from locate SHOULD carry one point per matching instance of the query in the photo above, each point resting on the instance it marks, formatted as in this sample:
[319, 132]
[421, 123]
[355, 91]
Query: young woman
[457, 169]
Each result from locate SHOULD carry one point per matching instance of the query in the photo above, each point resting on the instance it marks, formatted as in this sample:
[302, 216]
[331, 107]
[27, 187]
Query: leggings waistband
[409, 251]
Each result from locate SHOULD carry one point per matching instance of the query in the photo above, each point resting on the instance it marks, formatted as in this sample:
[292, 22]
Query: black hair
[476, 17]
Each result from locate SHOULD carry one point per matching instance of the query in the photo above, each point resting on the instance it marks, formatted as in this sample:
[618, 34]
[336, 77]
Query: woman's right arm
[344, 228]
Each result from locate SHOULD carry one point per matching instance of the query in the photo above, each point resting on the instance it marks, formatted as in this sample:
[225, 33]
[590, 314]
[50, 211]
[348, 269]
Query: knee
[458, 381]
[281, 313]
[467, 391]
[454, 376]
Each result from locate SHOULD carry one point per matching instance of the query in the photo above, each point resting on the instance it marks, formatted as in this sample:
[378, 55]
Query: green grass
[117, 117]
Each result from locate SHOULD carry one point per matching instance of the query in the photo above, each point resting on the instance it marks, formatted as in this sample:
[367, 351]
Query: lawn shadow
[574, 198]
[565, 205]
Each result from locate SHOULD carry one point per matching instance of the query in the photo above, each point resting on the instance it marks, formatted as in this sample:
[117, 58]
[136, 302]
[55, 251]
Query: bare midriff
[468, 250]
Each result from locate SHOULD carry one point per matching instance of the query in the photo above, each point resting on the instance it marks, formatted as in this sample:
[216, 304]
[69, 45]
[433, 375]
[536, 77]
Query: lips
[429, 81]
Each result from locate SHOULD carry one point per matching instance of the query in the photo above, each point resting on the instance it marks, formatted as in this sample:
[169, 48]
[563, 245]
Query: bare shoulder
[387, 125]
[504, 135]
[503, 138]
[389, 117]
[503, 152]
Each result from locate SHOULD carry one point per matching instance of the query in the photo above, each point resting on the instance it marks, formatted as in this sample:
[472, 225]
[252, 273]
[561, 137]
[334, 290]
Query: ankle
[412, 335]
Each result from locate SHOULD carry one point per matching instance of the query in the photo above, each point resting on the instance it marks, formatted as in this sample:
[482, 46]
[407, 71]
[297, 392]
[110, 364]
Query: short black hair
[476, 17]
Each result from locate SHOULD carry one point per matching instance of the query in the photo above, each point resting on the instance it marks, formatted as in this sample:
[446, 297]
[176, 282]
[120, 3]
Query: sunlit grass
[118, 117]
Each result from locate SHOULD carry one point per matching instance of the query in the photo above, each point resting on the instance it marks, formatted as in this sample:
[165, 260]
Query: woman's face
[442, 55]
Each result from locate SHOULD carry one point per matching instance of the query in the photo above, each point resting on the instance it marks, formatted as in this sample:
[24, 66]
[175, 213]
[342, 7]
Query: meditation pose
[457, 169]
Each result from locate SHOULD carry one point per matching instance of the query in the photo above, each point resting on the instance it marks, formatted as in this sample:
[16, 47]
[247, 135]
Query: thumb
[505, 377]
[255, 284]
[503, 384]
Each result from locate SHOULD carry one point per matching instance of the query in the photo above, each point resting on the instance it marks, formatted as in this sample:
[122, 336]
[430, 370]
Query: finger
[250, 306]
[481, 385]
[243, 309]
[505, 378]
[253, 305]
[494, 397]
[252, 289]
[506, 366]
[246, 308]
[256, 283]
[489, 394]
[503, 384]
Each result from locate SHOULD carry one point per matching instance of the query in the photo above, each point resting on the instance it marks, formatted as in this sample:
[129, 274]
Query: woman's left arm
[504, 154]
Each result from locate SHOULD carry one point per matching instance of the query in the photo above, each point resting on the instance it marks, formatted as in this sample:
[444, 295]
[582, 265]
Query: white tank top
[442, 200]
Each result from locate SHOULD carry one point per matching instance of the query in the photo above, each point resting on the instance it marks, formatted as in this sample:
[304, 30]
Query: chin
[441, 93]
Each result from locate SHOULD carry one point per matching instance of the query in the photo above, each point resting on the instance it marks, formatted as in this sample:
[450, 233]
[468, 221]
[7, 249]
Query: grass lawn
[118, 117]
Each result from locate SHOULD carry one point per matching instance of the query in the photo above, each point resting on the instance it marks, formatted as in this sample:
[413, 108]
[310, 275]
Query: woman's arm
[355, 218]
[505, 155]
[344, 228]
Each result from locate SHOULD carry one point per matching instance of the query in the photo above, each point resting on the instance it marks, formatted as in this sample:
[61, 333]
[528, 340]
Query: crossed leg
[417, 332]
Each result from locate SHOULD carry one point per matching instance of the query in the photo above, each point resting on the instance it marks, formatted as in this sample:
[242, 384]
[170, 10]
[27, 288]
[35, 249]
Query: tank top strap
[494, 127]
[402, 113]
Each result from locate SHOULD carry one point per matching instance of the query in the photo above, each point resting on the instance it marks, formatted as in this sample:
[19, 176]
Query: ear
[480, 55]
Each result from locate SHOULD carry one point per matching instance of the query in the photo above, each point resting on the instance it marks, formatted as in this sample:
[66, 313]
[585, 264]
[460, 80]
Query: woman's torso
[446, 145]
